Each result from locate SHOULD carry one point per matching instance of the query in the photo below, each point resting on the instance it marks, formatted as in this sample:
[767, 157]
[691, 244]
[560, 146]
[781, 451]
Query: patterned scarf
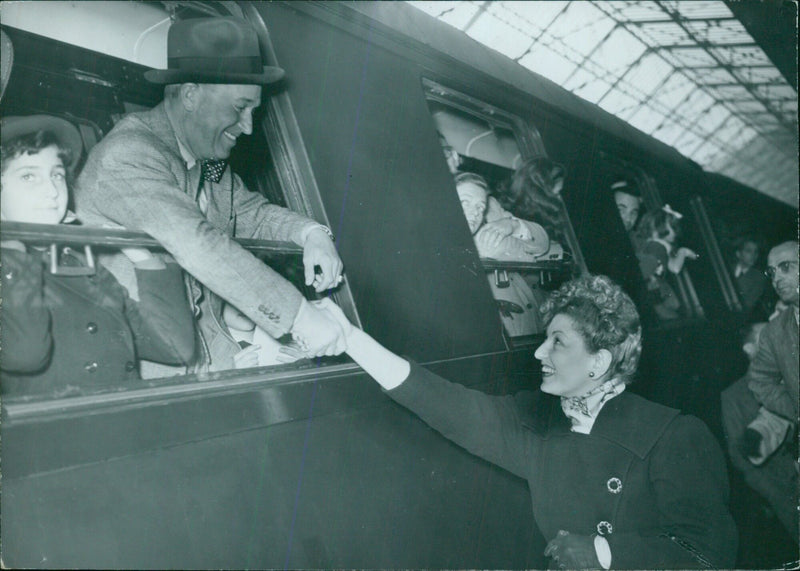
[583, 410]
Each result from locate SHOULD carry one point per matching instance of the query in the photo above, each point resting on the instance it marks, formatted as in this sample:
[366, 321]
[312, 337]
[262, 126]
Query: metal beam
[692, 20]
[477, 15]
[702, 44]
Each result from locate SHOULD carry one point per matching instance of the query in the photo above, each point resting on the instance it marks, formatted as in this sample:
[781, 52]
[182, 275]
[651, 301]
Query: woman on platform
[615, 480]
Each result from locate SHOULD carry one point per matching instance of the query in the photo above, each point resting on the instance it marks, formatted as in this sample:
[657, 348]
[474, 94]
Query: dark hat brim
[271, 74]
[66, 133]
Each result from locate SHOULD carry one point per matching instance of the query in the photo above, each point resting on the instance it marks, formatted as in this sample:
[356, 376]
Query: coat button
[130, 366]
[605, 528]
[91, 327]
[614, 485]
[90, 366]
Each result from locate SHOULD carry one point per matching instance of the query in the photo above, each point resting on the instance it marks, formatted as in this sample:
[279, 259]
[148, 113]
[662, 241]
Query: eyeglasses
[784, 268]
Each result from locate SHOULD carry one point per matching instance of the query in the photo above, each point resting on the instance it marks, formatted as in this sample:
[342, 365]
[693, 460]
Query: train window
[57, 76]
[510, 193]
[661, 239]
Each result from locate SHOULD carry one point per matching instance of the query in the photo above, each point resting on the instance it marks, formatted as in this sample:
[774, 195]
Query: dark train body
[311, 466]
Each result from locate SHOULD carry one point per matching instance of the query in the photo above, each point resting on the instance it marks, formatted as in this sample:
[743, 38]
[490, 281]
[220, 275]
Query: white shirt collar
[188, 158]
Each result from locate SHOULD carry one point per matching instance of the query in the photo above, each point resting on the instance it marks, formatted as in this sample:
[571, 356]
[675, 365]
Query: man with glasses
[773, 373]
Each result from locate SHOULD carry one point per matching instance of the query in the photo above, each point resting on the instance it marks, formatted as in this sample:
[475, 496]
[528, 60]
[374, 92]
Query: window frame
[530, 144]
[301, 193]
[652, 200]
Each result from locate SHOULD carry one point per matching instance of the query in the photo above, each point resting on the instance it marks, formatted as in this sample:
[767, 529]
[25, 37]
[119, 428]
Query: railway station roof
[688, 73]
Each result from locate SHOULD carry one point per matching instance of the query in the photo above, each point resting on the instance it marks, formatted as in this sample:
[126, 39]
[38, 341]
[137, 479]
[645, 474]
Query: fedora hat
[214, 50]
[67, 134]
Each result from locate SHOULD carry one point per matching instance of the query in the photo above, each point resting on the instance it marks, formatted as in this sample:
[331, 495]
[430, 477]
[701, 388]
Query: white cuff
[603, 551]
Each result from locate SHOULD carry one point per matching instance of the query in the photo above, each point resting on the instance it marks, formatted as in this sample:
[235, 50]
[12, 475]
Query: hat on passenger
[626, 186]
[214, 50]
[67, 134]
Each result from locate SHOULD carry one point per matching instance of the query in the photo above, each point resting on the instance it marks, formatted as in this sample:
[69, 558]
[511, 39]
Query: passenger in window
[759, 442]
[659, 231]
[163, 172]
[629, 206]
[66, 333]
[248, 345]
[498, 234]
[616, 481]
[504, 238]
[749, 280]
[628, 201]
[533, 194]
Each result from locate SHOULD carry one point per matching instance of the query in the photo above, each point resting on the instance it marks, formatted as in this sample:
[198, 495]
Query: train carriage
[309, 465]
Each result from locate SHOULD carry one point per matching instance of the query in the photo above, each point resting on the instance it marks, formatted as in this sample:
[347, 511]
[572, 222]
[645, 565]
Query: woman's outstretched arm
[388, 369]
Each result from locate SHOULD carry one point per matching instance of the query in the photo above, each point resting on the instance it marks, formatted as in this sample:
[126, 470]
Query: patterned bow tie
[212, 170]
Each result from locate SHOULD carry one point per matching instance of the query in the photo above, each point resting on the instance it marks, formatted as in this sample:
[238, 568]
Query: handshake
[320, 329]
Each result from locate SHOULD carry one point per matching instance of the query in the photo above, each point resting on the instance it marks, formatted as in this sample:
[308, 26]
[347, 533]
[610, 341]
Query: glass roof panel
[549, 63]
[618, 102]
[536, 16]
[740, 56]
[686, 72]
[649, 73]
[507, 39]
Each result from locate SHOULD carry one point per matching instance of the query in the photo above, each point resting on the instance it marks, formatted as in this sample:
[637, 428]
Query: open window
[57, 75]
[510, 193]
[654, 233]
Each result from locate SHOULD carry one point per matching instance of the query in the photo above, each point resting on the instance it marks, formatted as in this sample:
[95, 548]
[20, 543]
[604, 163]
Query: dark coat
[649, 479]
[750, 286]
[64, 334]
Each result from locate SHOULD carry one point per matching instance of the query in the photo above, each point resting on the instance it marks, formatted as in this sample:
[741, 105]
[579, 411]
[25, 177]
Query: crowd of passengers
[615, 480]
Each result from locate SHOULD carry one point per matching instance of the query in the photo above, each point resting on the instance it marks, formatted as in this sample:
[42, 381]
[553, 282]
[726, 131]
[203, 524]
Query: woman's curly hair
[532, 194]
[605, 317]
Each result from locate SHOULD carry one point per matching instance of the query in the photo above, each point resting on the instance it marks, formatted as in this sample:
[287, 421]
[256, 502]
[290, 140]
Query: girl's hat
[66, 133]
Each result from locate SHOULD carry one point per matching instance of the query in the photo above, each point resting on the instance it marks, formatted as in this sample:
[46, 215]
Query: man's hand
[318, 250]
[247, 357]
[326, 304]
[317, 332]
[572, 551]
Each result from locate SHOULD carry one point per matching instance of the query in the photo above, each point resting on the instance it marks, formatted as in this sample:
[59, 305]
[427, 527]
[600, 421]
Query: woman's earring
[591, 373]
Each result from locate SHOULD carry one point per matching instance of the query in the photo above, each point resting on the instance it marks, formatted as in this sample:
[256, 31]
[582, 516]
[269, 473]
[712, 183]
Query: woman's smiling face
[566, 362]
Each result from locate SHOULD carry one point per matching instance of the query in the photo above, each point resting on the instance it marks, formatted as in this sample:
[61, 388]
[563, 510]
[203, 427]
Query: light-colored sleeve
[129, 182]
[257, 218]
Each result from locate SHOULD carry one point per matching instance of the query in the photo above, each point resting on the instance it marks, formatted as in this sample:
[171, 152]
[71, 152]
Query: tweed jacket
[651, 481]
[137, 178]
[773, 373]
[65, 334]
